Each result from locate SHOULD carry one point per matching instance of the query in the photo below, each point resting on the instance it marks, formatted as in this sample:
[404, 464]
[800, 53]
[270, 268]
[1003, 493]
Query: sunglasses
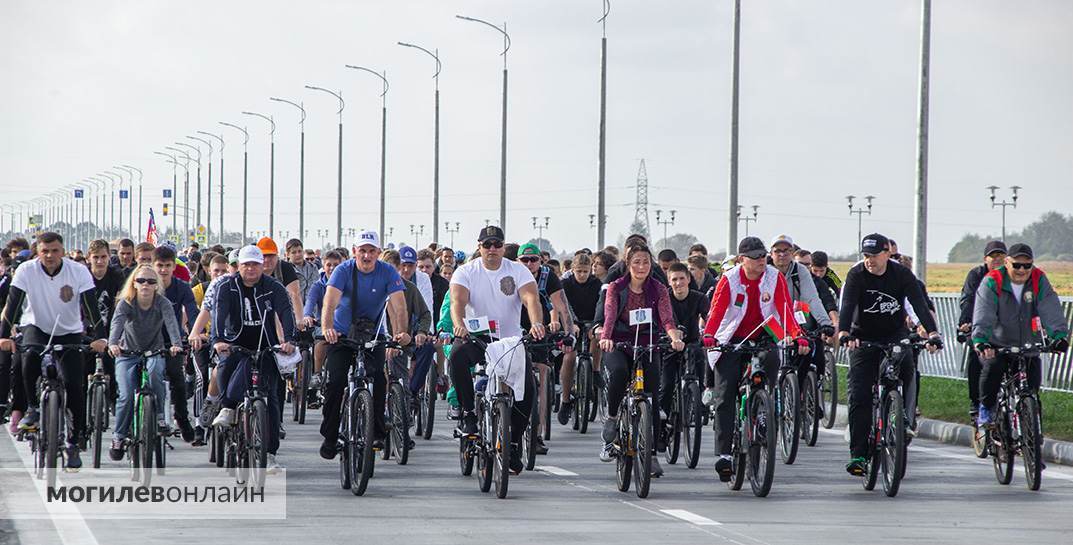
[528, 259]
[488, 244]
[1024, 266]
[781, 251]
[149, 281]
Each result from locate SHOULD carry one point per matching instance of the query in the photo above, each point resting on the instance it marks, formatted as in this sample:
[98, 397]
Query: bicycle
[145, 442]
[1016, 425]
[97, 409]
[246, 442]
[787, 396]
[979, 437]
[303, 375]
[686, 418]
[812, 404]
[584, 389]
[425, 408]
[827, 388]
[397, 418]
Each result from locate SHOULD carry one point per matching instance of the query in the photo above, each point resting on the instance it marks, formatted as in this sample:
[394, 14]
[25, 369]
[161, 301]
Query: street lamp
[417, 233]
[540, 230]
[860, 212]
[503, 135]
[186, 189]
[748, 219]
[174, 187]
[111, 195]
[208, 191]
[383, 138]
[447, 227]
[601, 206]
[208, 208]
[665, 223]
[130, 203]
[271, 173]
[339, 191]
[120, 196]
[97, 187]
[245, 183]
[1003, 204]
[301, 165]
[197, 217]
[436, 145]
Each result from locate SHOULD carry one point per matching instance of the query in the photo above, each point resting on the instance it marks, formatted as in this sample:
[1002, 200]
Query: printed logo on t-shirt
[765, 297]
[506, 285]
[883, 304]
[67, 293]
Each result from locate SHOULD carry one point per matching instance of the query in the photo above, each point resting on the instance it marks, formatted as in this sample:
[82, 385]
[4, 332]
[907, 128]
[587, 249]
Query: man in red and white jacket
[751, 301]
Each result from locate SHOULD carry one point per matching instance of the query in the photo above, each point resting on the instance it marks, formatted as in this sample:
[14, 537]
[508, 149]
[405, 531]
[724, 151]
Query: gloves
[1059, 346]
[801, 341]
[935, 341]
[980, 347]
[709, 341]
[827, 331]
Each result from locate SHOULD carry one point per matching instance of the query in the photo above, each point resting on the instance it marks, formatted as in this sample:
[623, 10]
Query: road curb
[1057, 452]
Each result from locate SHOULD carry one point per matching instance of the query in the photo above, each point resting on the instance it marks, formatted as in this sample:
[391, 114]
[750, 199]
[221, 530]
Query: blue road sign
[167, 193]
[78, 193]
[123, 193]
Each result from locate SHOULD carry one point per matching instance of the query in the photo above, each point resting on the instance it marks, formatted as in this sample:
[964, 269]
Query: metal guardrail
[952, 362]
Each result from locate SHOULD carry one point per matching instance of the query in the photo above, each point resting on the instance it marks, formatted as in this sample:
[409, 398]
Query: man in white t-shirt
[57, 293]
[494, 288]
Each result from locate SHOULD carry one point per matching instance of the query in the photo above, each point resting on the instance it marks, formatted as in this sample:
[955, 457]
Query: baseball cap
[268, 246]
[408, 254]
[233, 257]
[994, 246]
[492, 231]
[752, 247]
[1021, 250]
[368, 237]
[528, 249]
[874, 243]
[250, 254]
[782, 239]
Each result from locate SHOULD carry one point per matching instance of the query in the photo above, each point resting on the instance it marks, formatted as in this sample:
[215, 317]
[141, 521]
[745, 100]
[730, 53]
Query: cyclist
[556, 315]
[205, 298]
[359, 292]
[312, 310]
[994, 258]
[821, 269]
[690, 309]
[57, 293]
[495, 288]
[182, 301]
[419, 326]
[440, 286]
[250, 309]
[582, 291]
[827, 297]
[798, 279]
[701, 274]
[749, 297]
[143, 253]
[423, 354]
[142, 313]
[108, 280]
[637, 289]
[124, 258]
[1008, 302]
[284, 272]
[873, 309]
[308, 273]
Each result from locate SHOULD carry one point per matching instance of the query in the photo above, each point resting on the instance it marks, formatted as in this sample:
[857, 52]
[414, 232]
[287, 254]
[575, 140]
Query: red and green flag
[774, 328]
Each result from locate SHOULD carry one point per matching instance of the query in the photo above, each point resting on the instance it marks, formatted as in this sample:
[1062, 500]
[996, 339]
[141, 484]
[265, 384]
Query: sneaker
[378, 444]
[516, 465]
[74, 461]
[982, 419]
[315, 381]
[116, 452]
[185, 429]
[605, 453]
[441, 385]
[199, 437]
[162, 427]
[282, 432]
[226, 417]
[29, 422]
[13, 428]
[610, 432]
[208, 413]
[273, 466]
[709, 397]
[453, 412]
[469, 424]
[328, 449]
[410, 444]
[566, 410]
[724, 467]
[541, 448]
[656, 470]
[857, 466]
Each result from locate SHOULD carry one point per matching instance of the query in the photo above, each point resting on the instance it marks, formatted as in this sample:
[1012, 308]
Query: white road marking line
[556, 471]
[691, 517]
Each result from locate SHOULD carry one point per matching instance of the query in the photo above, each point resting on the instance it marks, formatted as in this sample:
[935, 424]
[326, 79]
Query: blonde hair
[130, 292]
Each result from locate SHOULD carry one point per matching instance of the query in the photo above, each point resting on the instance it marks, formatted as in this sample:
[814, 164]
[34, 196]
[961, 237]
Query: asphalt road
[948, 496]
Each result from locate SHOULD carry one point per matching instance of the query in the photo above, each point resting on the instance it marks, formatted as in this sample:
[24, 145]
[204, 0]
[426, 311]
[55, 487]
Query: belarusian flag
[151, 234]
[774, 328]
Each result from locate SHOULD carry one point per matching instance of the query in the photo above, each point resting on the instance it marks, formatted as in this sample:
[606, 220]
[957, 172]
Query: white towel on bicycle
[506, 360]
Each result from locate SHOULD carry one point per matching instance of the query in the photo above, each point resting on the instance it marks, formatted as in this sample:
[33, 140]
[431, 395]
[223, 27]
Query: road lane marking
[556, 471]
[691, 517]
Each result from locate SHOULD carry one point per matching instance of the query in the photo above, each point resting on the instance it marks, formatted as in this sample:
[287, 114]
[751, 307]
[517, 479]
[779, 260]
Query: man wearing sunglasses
[994, 258]
[1008, 301]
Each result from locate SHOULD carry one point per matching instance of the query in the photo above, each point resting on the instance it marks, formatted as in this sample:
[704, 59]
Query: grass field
[948, 277]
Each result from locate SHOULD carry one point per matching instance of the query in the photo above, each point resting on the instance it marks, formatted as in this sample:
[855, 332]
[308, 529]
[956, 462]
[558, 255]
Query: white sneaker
[709, 397]
[273, 466]
[225, 418]
[605, 453]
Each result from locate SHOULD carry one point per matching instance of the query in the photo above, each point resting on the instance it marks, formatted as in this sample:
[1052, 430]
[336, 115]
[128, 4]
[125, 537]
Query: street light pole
[1003, 204]
[601, 206]
[119, 199]
[301, 165]
[665, 223]
[339, 191]
[208, 205]
[748, 219]
[540, 230]
[436, 144]
[416, 234]
[186, 191]
[271, 173]
[197, 214]
[920, 212]
[383, 141]
[503, 136]
[208, 190]
[447, 227]
[860, 212]
[245, 183]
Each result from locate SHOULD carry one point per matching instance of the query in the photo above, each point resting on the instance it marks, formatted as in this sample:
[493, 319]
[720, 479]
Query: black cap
[994, 246]
[1021, 250]
[752, 247]
[491, 231]
[874, 244]
[819, 259]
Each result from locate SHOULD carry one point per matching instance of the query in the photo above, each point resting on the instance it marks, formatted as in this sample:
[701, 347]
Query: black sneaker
[282, 432]
[74, 461]
[378, 444]
[469, 424]
[328, 449]
[185, 429]
[857, 466]
[410, 444]
[199, 437]
[724, 467]
[116, 452]
[566, 410]
[516, 465]
[541, 448]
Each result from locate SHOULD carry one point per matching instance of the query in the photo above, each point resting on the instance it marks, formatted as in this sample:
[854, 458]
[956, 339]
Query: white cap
[781, 239]
[250, 254]
[368, 238]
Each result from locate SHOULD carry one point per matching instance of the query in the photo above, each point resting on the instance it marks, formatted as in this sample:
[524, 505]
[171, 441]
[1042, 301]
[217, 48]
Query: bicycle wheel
[829, 391]
[1003, 451]
[529, 441]
[465, 461]
[892, 451]
[644, 447]
[257, 448]
[51, 436]
[739, 455]
[1031, 440]
[624, 458]
[761, 451]
[674, 437]
[501, 461]
[147, 438]
[302, 377]
[872, 475]
[97, 415]
[789, 417]
[428, 403]
[484, 452]
[345, 421]
[810, 424]
[216, 454]
[389, 418]
[361, 439]
[691, 419]
[400, 424]
[549, 393]
[979, 441]
[582, 397]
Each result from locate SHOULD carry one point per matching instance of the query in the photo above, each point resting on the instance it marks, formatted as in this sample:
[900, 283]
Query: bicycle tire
[484, 452]
[257, 447]
[1003, 456]
[346, 418]
[762, 447]
[366, 426]
[465, 460]
[871, 477]
[428, 400]
[218, 446]
[582, 397]
[829, 391]
[549, 398]
[400, 426]
[691, 413]
[501, 462]
[810, 424]
[789, 415]
[624, 459]
[529, 441]
[979, 442]
[674, 437]
[97, 413]
[892, 453]
[1031, 441]
[645, 446]
[51, 436]
[738, 451]
[147, 436]
[389, 417]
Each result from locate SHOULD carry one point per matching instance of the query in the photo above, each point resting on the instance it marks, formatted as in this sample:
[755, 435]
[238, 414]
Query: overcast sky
[828, 108]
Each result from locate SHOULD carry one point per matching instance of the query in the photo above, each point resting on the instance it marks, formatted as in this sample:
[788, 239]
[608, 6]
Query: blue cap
[460, 256]
[408, 254]
[23, 254]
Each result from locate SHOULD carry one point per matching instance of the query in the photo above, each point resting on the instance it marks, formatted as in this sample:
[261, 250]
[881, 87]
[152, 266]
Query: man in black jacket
[994, 257]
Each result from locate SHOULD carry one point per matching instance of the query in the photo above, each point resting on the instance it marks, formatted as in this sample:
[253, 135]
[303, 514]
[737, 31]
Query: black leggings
[338, 362]
[70, 366]
[11, 381]
[467, 354]
[175, 371]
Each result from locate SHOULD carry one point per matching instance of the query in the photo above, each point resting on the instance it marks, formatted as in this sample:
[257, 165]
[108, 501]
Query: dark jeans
[991, 374]
[423, 358]
[232, 375]
[465, 355]
[11, 381]
[863, 375]
[337, 363]
[70, 366]
[972, 372]
[728, 374]
[175, 371]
